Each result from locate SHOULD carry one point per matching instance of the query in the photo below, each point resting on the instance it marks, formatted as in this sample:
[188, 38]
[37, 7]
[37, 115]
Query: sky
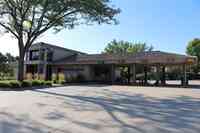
[168, 25]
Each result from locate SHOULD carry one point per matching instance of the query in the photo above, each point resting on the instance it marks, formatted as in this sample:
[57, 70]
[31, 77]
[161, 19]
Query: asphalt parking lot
[101, 109]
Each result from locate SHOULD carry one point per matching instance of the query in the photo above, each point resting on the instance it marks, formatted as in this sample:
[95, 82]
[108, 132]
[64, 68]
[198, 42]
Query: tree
[10, 58]
[6, 68]
[26, 20]
[124, 47]
[193, 49]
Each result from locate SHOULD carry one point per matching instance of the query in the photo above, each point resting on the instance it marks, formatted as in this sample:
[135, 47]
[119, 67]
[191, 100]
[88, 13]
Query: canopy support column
[145, 75]
[158, 75]
[163, 81]
[133, 73]
[113, 74]
[184, 79]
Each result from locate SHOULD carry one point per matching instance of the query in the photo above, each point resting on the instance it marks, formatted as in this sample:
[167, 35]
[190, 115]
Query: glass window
[49, 56]
[42, 55]
[34, 55]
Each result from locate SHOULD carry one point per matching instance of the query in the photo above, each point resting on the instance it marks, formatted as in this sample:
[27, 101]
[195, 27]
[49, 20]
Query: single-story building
[51, 60]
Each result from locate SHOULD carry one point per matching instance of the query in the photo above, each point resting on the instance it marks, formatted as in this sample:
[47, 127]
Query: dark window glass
[34, 55]
[42, 55]
[41, 69]
[49, 56]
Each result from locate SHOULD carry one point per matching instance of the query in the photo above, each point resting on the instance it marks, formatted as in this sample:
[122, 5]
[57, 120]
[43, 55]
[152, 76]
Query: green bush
[36, 83]
[42, 82]
[15, 84]
[5, 84]
[48, 83]
[26, 83]
[62, 82]
[55, 81]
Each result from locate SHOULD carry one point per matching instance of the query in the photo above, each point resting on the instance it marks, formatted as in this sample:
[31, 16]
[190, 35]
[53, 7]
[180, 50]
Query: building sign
[190, 61]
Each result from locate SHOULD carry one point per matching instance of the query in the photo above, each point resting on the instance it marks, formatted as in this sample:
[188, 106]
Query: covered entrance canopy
[159, 60]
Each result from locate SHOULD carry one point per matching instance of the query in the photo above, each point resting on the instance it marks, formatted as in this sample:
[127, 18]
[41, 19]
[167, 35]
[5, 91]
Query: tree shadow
[163, 115]
[9, 123]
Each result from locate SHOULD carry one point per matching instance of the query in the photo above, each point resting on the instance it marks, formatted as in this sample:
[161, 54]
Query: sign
[190, 61]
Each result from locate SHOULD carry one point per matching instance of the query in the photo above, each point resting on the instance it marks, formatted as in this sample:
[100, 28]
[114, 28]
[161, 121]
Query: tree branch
[10, 30]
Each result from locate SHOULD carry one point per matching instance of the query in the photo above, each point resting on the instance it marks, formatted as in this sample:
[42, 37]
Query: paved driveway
[101, 109]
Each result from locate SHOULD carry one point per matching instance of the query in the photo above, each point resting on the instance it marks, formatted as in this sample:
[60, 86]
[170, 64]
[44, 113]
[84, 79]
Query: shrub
[36, 83]
[62, 82]
[26, 83]
[61, 77]
[15, 84]
[5, 84]
[54, 77]
[48, 83]
[55, 81]
[42, 82]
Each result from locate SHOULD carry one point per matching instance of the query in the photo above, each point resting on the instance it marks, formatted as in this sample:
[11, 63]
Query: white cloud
[8, 45]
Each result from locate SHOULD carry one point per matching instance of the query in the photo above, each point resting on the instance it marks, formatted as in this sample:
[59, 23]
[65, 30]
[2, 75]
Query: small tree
[26, 20]
[124, 47]
[193, 49]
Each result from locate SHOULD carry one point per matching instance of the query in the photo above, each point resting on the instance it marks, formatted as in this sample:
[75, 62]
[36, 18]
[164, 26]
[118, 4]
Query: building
[49, 60]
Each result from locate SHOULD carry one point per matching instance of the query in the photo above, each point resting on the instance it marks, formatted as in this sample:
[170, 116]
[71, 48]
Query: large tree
[193, 49]
[124, 47]
[26, 20]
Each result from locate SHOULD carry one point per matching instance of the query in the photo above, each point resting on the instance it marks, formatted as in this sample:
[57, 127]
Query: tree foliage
[6, 67]
[26, 20]
[193, 49]
[124, 47]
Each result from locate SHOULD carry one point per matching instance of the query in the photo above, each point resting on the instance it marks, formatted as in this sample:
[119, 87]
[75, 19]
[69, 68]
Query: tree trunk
[20, 69]
[20, 76]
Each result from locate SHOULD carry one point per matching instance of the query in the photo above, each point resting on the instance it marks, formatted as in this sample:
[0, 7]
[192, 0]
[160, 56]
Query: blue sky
[168, 25]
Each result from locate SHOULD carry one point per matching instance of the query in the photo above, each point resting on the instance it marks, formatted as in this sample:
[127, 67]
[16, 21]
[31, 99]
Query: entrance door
[102, 73]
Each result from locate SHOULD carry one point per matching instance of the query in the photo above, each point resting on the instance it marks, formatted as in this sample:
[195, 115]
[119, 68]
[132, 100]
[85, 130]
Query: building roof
[151, 57]
[56, 47]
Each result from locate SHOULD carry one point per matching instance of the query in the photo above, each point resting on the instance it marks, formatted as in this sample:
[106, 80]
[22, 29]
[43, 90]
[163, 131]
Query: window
[42, 54]
[50, 56]
[34, 55]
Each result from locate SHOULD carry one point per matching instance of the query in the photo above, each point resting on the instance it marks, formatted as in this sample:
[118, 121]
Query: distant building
[47, 59]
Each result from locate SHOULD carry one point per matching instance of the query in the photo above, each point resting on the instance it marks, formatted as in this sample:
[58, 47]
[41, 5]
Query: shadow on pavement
[178, 114]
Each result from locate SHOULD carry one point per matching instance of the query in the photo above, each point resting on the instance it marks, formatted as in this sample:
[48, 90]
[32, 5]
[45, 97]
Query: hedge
[5, 84]
[25, 83]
